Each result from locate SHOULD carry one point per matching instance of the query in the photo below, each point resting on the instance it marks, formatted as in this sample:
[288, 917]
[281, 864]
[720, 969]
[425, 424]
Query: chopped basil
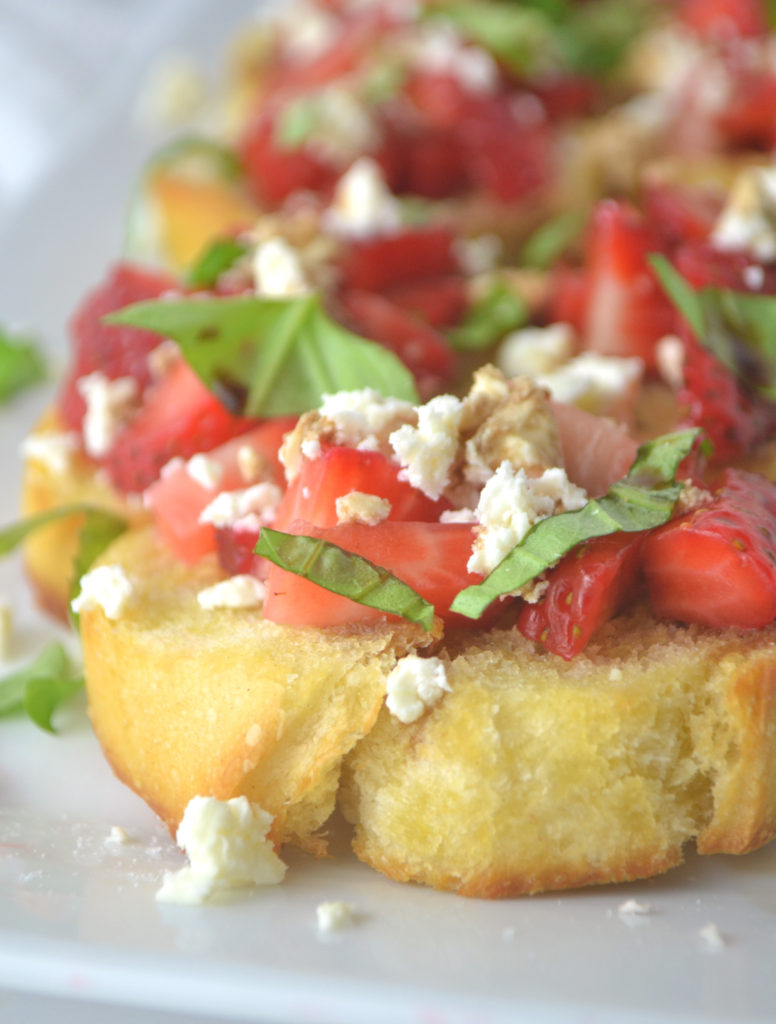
[739, 328]
[40, 686]
[271, 357]
[549, 242]
[345, 573]
[644, 499]
[297, 122]
[21, 364]
[220, 256]
[499, 311]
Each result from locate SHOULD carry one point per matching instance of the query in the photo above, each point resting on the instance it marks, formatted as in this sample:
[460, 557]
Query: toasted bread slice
[536, 774]
[187, 701]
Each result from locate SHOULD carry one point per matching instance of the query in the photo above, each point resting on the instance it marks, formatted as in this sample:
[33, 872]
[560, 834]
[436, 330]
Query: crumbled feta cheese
[427, 452]
[363, 414]
[362, 204]
[358, 507]
[107, 587]
[333, 915]
[748, 221]
[439, 49]
[753, 277]
[237, 592]
[712, 937]
[413, 685]
[250, 508]
[6, 630]
[536, 350]
[600, 384]
[632, 906]
[311, 448]
[227, 846]
[458, 515]
[109, 404]
[511, 503]
[250, 463]
[205, 470]
[669, 356]
[277, 270]
[478, 255]
[53, 451]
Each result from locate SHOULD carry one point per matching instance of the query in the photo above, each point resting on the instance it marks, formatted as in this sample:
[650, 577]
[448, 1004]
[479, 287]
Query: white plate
[78, 919]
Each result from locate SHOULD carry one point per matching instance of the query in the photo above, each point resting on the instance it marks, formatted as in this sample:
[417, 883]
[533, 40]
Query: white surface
[78, 919]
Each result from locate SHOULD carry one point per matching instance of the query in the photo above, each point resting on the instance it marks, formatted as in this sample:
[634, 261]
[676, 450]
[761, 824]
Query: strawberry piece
[586, 588]
[177, 498]
[430, 557]
[718, 20]
[383, 261]
[681, 213]
[111, 349]
[627, 312]
[748, 122]
[312, 494]
[438, 301]
[706, 267]
[423, 350]
[717, 565]
[180, 416]
[274, 172]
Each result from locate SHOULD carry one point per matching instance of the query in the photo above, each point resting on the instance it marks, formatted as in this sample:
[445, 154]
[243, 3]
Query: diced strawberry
[586, 588]
[566, 96]
[734, 419]
[748, 121]
[385, 261]
[717, 565]
[439, 301]
[568, 296]
[705, 266]
[236, 552]
[177, 498]
[596, 450]
[275, 172]
[681, 213]
[423, 350]
[424, 161]
[718, 20]
[627, 312]
[441, 99]
[180, 416]
[111, 349]
[312, 494]
[430, 557]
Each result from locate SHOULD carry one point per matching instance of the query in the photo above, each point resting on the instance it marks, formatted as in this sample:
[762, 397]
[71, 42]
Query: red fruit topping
[374, 264]
[586, 588]
[719, 20]
[113, 350]
[717, 565]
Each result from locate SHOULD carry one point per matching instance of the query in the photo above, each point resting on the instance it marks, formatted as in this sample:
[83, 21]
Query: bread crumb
[118, 836]
[333, 915]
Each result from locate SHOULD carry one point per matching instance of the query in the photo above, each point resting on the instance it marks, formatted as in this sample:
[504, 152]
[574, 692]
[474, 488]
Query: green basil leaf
[342, 572]
[549, 242]
[497, 313]
[628, 506]
[271, 357]
[596, 36]
[44, 694]
[296, 122]
[221, 255]
[21, 364]
[739, 328]
[40, 686]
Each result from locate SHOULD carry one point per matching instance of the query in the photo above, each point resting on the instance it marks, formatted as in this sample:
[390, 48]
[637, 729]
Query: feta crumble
[535, 350]
[277, 270]
[107, 587]
[242, 591]
[748, 221]
[427, 452]
[358, 507]
[364, 414]
[250, 508]
[598, 383]
[441, 50]
[205, 471]
[510, 504]
[333, 915]
[414, 685]
[227, 846]
[109, 405]
[362, 204]
[54, 451]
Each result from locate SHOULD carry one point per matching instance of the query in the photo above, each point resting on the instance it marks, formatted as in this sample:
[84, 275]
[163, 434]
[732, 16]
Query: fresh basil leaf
[220, 256]
[628, 506]
[342, 572]
[549, 242]
[40, 686]
[596, 36]
[499, 311]
[21, 364]
[296, 122]
[739, 328]
[271, 357]
[44, 694]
